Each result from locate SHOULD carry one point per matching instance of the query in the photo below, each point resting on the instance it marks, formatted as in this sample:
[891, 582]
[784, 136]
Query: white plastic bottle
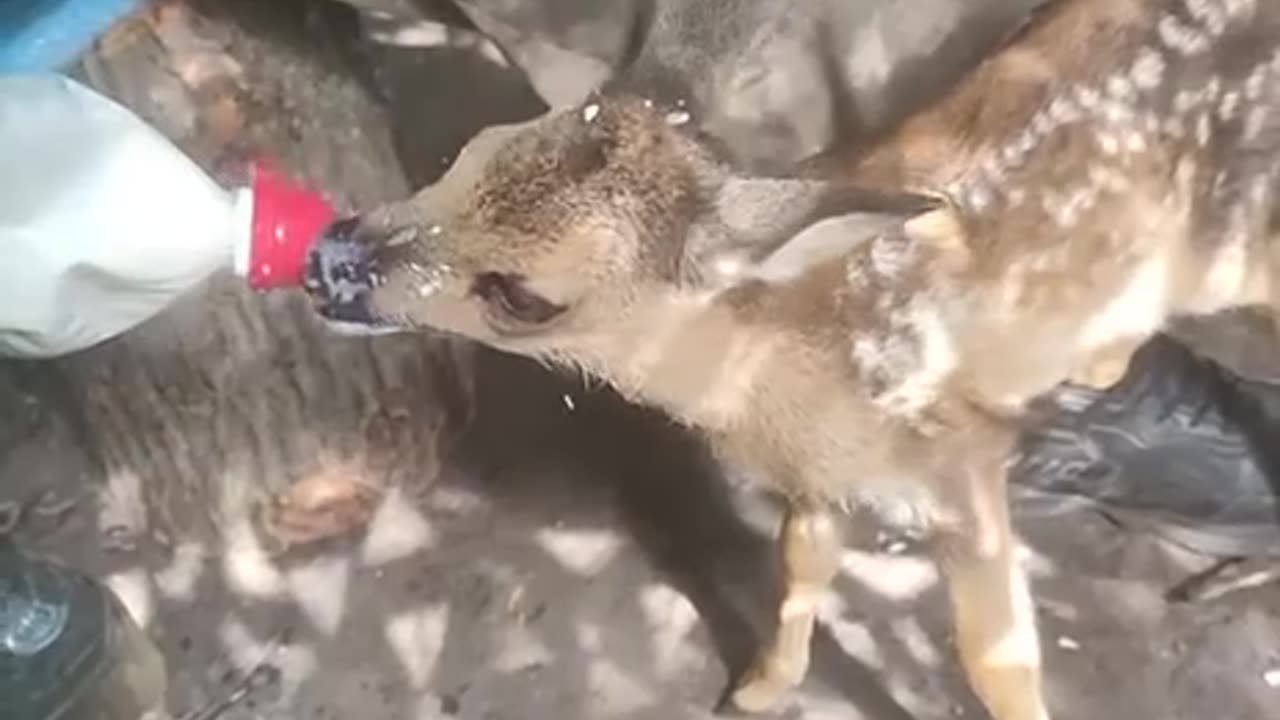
[103, 221]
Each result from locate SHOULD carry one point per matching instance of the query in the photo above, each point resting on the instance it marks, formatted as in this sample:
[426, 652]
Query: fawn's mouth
[341, 275]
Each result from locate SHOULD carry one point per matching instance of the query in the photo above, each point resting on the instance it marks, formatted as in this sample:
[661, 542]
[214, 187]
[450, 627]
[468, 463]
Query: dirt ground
[573, 557]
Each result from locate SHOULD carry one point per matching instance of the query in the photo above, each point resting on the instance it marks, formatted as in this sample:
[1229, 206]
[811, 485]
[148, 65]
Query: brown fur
[868, 334]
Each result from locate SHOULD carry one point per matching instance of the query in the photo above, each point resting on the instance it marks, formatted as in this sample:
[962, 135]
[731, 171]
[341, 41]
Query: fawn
[869, 328]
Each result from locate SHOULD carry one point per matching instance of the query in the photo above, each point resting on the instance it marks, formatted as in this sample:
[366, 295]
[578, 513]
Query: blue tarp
[42, 35]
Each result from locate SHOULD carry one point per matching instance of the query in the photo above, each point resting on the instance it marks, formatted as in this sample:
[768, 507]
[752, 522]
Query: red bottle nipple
[287, 220]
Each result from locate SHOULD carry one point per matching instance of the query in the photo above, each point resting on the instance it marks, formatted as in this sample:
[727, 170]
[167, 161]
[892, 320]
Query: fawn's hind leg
[991, 605]
[810, 544]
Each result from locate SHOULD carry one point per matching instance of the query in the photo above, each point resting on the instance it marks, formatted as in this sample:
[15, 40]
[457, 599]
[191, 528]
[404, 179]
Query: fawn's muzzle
[341, 273]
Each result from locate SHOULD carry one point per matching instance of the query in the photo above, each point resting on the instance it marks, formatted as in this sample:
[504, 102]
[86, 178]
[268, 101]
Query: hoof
[752, 698]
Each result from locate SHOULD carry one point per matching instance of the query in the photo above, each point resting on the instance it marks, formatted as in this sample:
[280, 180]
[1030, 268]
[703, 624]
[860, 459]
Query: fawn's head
[567, 225]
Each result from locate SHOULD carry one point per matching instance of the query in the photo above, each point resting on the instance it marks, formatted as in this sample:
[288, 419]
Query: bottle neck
[242, 227]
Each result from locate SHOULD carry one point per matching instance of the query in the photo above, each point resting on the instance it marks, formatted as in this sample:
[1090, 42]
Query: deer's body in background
[869, 330]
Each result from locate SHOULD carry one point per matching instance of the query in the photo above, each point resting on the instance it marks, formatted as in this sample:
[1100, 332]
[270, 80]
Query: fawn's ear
[756, 227]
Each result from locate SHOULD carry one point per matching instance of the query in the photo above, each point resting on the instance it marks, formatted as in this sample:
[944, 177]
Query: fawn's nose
[341, 273]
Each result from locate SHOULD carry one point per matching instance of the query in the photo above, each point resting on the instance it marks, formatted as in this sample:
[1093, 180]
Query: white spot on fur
[979, 197]
[853, 273]
[1209, 14]
[1064, 112]
[1041, 124]
[1011, 154]
[1117, 113]
[591, 112]
[1108, 143]
[1148, 69]
[1089, 98]
[678, 117]
[1120, 86]
[869, 353]
[430, 280]
[1067, 211]
[993, 170]
[1181, 38]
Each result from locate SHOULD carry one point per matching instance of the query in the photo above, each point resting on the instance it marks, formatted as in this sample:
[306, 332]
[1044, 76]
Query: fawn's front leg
[993, 614]
[810, 544]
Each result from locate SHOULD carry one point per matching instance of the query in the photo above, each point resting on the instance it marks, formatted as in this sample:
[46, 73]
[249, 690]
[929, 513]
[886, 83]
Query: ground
[573, 557]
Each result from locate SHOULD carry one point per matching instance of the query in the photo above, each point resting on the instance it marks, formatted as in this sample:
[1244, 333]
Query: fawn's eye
[509, 295]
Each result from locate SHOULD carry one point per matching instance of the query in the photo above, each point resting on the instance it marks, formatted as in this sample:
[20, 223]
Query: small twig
[262, 674]
[10, 515]
[1190, 588]
[1225, 577]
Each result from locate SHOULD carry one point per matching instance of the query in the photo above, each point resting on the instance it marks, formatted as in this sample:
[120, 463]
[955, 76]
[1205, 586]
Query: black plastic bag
[1179, 445]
